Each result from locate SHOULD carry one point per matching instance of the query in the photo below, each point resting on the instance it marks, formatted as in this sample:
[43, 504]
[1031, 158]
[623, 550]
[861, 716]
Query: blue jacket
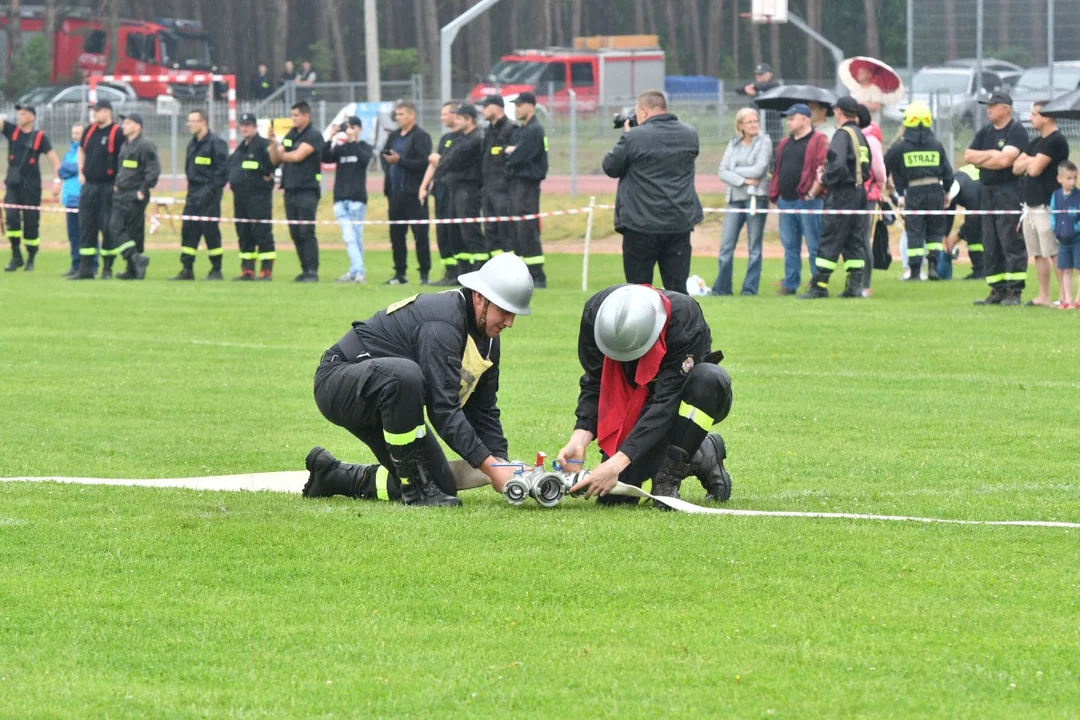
[69, 173]
[1066, 225]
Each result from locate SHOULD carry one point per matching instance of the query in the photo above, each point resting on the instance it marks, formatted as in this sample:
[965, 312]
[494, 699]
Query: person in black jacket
[300, 153]
[437, 353]
[651, 391]
[447, 236]
[207, 173]
[847, 167]
[922, 174]
[261, 85]
[495, 197]
[404, 161]
[139, 171]
[251, 176]
[98, 156]
[460, 167]
[656, 205]
[966, 192]
[351, 155]
[526, 168]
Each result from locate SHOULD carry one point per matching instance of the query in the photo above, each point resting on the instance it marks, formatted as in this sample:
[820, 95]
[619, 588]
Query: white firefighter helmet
[629, 322]
[505, 280]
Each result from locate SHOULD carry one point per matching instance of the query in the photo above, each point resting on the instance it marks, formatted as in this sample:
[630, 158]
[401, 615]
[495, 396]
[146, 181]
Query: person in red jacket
[795, 186]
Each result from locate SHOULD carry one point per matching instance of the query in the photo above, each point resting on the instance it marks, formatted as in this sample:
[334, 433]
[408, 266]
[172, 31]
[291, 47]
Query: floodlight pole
[911, 46]
[834, 50]
[1050, 43]
[446, 41]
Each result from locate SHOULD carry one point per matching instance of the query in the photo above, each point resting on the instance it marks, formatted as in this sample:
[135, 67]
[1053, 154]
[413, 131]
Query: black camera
[626, 116]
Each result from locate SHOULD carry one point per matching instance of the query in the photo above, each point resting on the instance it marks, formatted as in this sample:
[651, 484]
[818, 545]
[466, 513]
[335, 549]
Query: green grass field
[142, 602]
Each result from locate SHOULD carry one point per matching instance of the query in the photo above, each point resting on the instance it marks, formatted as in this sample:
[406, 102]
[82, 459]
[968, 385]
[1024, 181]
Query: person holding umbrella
[872, 83]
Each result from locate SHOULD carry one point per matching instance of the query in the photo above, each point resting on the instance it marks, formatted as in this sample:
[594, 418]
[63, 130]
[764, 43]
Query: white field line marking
[293, 482]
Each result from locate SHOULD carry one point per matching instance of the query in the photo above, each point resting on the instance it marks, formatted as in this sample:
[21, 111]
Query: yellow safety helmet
[918, 113]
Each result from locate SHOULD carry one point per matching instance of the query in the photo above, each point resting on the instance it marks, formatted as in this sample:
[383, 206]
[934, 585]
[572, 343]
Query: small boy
[1065, 221]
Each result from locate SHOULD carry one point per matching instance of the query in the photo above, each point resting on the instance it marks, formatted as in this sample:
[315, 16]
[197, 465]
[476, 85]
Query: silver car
[1034, 85]
[950, 89]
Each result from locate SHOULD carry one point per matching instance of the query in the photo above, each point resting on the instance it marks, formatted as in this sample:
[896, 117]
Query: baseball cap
[848, 105]
[798, 109]
[466, 110]
[525, 98]
[493, 100]
[763, 68]
[353, 121]
[101, 105]
[133, 117]
[28, 108]
[248, 119]
[999, 98]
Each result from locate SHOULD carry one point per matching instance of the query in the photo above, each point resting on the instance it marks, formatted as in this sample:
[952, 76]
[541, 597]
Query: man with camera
[404, 161]
[656, 206]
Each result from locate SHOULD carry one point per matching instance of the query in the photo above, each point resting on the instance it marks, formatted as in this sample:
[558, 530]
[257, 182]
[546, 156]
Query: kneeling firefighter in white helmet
[651, 391]
[438, 352]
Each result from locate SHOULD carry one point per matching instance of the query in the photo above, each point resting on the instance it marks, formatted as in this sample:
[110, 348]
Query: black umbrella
[1065, 107]
[783, 97]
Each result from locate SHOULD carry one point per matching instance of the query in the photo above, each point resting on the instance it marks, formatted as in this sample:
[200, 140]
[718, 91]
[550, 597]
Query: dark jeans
[405, 206]
[729, 238]
[497, 204]
[671, 252]
[302, 205]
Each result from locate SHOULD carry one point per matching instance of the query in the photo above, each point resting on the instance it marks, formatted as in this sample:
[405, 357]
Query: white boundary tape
[293, 482]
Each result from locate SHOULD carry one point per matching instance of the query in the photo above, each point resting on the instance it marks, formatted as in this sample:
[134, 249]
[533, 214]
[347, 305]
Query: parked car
[1008, 72]
[1034, 85]
[952, 88]
[48, 96]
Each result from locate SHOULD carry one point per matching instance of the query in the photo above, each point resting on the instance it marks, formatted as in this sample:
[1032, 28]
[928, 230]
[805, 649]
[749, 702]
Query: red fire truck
[602, 72]
[81, 49]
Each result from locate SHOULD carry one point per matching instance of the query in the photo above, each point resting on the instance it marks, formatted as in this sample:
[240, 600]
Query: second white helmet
[505, 281]
[629, 322]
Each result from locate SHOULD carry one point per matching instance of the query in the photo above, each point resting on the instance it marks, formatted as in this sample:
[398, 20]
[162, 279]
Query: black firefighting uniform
[526, 167]
[846, 168]
[921, 170]
[421, 353]
[207, 173]
[101, 150]
[251, 177]
[447, 237]
[303, 188]
[690, 394]
[24, 185]
[970, 197]
[1006, 258]
[139, 171]
[495, 196]
[461, 168]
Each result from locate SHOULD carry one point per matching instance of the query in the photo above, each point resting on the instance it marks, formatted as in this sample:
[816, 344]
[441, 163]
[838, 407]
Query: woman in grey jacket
[745, 169]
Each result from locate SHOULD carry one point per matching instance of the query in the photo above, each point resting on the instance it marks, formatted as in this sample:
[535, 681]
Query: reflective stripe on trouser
[706, 401]
[254, 238]
[205, 203]
[841, 234]
[95, 209]
[1005, 259]
[377, 396]
[23, 225]
[525, 200]
[924, 232]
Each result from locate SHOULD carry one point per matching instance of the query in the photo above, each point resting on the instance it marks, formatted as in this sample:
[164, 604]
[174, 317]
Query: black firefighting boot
[106, 267]
[449, 279]
[136, 265]
[914, 270]
[994, 298]
[977, 272]
[215, 268]
[186, 273]
[31, 253]
[247, 270]
[707, 466]
[328, 477]
[669, 477]
[819, 288]
[854, 287]
[931, 267]
[86, 268]
[266, 272]
[418, 487]
[16, 259]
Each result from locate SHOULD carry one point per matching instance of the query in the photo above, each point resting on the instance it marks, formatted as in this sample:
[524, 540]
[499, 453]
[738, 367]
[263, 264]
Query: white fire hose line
[293, 482]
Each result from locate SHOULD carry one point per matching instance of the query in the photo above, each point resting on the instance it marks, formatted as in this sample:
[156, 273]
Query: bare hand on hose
[600, 481]
[499, 472]
[573, 453]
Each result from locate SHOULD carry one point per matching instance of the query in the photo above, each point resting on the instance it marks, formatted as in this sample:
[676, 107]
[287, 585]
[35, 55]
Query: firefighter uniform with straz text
[526, 168]
[251, 177]
[436, 354]
[98, 158]
[847, 166]
[207, 173]
[650, 393]
[24, 186]
[922, 174]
